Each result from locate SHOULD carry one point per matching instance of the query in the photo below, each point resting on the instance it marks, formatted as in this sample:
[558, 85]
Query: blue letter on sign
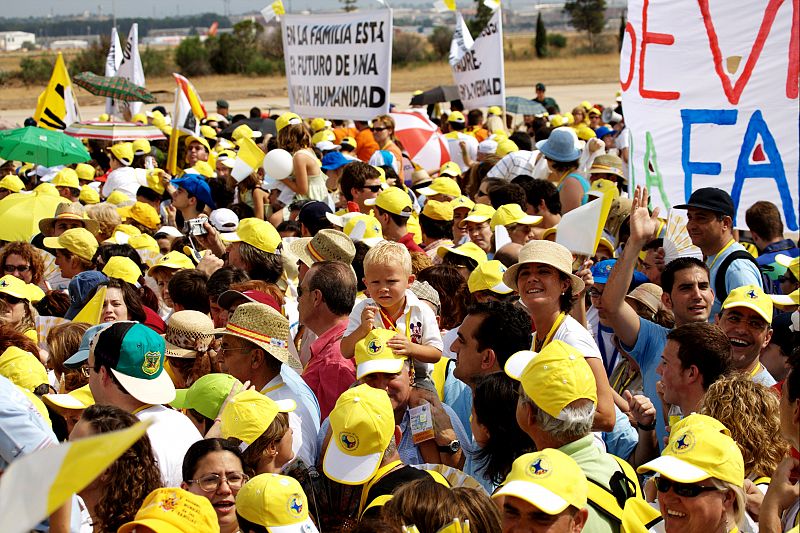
[700, 116]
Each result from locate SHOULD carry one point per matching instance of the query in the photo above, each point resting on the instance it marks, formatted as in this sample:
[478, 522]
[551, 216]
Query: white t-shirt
[171, 436]
[126, 180]
[577, 336]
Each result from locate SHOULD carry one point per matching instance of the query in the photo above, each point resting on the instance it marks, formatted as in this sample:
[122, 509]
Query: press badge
[421, 423]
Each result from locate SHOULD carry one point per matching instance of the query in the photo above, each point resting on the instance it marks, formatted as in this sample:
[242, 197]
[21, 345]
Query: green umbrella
[114, 87]
[42, 147]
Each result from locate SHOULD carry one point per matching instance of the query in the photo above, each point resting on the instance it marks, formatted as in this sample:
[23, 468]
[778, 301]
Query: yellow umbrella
[20, 214]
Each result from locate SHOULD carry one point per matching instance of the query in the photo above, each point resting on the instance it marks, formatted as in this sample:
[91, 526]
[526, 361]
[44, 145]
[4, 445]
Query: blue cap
[197, 187]
[381, 158]
[602, 131]
[602, 270]
[78, 358]
[334, 160]
[79, 288]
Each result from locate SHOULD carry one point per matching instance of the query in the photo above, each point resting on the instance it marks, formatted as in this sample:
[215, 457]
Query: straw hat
[188, 332]
[67, 211]
[545, 253]
[326, 245]
[264, 327]
[649, 295]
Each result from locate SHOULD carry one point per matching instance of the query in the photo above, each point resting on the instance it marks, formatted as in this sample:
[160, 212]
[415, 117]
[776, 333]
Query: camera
[194, 226]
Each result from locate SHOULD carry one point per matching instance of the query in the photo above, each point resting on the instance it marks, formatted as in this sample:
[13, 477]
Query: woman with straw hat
[547, 287]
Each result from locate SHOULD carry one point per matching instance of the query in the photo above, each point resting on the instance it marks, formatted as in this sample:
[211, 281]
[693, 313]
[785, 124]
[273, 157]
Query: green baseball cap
[140, 366]
[205, 395]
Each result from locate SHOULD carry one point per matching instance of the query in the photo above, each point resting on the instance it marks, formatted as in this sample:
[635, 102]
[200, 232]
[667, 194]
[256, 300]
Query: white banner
[131, 69]
[113, 61]
[339, 66]
[710, 96]
[478, 69]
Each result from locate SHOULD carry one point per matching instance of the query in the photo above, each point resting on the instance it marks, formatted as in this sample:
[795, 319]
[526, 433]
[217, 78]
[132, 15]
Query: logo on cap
[685, 443]
[169, 503]
[295, 507]
[374, 346]
[152, 362]
[348, 440]
[752, 294]
[539, 468]
[3, 283]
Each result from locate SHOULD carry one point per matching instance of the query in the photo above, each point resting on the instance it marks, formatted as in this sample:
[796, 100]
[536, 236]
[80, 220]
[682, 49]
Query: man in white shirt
[126, 369]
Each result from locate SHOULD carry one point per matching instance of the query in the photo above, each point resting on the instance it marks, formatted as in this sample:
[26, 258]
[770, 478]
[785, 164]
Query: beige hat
[326, 245]
[620, 211]
[649, 295]
[67, 211]
[545, 253]
[188, 332]
[264, 327]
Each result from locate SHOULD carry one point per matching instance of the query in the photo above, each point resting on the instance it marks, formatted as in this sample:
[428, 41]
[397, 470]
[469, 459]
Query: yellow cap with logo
[287, 119]
[118, 198]
[123, 152]
[13, 286]
[438, 210]
[462, 202]
[790, 263]
[175, 260]
[488, 277]
[478, 214]
[393, 200]
[512, 214]
[173, 510]
[257, 233]
[319, 124]
[12, 183]
[373, 354]
[248, 415]
[276, 502]
[141, 146]
[363, 228]
[450, 169]
[751, 297]
[322, 136]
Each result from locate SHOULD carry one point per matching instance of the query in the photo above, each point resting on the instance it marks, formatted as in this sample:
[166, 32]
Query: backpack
[720, 291]
[623, 502]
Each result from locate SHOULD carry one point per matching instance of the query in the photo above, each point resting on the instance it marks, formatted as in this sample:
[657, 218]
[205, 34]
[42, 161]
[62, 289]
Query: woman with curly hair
[107, 218]
[113, 498]
[63, 341]
[307, 181]
[24, 261]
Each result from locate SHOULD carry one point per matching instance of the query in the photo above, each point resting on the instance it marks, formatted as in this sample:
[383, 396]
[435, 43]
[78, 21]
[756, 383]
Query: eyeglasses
[686, 490]
[10, 269]
[481, 193]
[373, 188]
[378, 129]
[594, 293]
[84, 370]
[211, 482]
[225, 349]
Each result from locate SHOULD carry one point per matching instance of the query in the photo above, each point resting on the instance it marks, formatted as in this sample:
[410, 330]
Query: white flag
[113, 60]
[462, 40]
[442, 6]
[492, 4]
[131, 68]
[273, 10]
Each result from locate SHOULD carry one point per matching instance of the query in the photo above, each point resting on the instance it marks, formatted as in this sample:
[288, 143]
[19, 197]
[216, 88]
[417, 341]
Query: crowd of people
[369, 345]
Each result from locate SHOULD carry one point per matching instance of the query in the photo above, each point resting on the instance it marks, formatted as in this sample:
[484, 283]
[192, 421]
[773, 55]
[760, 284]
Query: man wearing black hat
[710, 226]
[223, 108]
[548, 103]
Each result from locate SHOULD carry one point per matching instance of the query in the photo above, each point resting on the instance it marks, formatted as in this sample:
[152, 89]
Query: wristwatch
[451, 448]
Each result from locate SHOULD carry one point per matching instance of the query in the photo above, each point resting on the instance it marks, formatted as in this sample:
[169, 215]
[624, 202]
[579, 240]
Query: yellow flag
[444, 5]
[57, 107]
[248, 159]
[273, 10]
[92, 311]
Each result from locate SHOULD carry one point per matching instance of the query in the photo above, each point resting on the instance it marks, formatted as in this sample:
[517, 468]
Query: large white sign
[478, 66]
[339, 65]
[710, 96]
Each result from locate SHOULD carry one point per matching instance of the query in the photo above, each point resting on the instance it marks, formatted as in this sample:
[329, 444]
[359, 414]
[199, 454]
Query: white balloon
[278, 164]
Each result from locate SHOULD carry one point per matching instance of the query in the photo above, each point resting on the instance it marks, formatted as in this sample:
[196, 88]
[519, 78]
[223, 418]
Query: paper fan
[677, 242]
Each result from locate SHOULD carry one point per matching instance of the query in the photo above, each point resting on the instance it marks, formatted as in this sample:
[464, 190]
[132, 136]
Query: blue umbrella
[523, 106]
[42, 147]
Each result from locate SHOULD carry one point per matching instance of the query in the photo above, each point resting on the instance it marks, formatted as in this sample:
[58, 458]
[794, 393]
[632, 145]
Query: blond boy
[392, 305]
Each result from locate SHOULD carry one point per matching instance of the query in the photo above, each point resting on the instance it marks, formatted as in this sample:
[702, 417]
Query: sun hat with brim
[248, 415]
[647, 294]
[710, 199]
[22, 368]
[362, 425]
[393, 200]
[174, 510]
[257, 233]
[326, 245]
[12, 183]
[17, 288]
[751, 297]
[140, 364]
[206, 395]
[373, 354]
[608, 164]
[488, 277]
[77, 399]
[188, 332]
[546, 253]
[699, 448]
[512, 214]
[561, 146]
[462, 202]
[550, 480]
[77, 241]
[174, 260]
[468, 249]
[478, 214]
[276, 502]
[554, 377]
[444, 185]
[68, 211]
[266, 328]
[230, 298]
[123, 268]
[77, 359]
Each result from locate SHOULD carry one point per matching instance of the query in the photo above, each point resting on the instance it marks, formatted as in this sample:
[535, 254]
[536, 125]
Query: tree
[588, 16]
[349, 5]
[440, 41]
[407, 48]
[191, 56]
[541, 37]
[482, 16]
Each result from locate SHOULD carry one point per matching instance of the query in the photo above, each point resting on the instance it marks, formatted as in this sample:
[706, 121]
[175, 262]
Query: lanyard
[538, 347]
[382, 471]
[756, 370]
[601, 343]
[388, 323]
[624, 378]
[730, 242]
[273, 388]
[142, 408]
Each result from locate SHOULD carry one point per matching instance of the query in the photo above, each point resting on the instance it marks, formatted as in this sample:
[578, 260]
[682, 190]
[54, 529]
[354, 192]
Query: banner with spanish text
[478, 65]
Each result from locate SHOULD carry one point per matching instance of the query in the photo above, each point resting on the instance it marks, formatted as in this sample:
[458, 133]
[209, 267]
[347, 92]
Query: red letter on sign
[632, 33]
[656, 38]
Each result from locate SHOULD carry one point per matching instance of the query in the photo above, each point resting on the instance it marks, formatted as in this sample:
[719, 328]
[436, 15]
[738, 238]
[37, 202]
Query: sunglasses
[10, 299]
[686, 490]
[373, 188]
[10, 269]
[378, 129]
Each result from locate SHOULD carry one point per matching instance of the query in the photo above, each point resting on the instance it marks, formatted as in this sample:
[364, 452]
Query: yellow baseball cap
[553, 378]
[462, 202]
[450, 169]
[203, 168]
[479, 213]
[603, 186]
[363, 228]
[700, 447]
[447, 186]
[244, 131]
[393, 200]
[248, 415]
[512, 214]
[208, 132]
[752, 297]
[85, 171]
[88, 196]
[174, 510]
[494, 110]
[77, 399]
[323, 135]
[351, 141]
[373, 355]
[12, 183]
[123, 233]
[78, 241]
[548, 232]
[154, 180]
[468, 249]
[550, 480]
[276, 502]
[782, 301]
[13, 286]
[144, 242]
[174, 259]
[792, 264]
[255, 232]
[362, 425]
[141, 146]
[123, 268]
[139, 117]
[319, 124]
[556, 121]
[286, 119]
[488, 277]
[22, 368]
[505, 147]
[438, 210]
[191, 138]
[66, 177]
[142, 213]
[456, 116]
[117, 198]
[605, 242]
[123, 152]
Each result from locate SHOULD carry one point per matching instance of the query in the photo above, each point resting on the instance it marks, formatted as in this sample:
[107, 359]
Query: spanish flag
[189, 110]
[34, 486]
[57, 107]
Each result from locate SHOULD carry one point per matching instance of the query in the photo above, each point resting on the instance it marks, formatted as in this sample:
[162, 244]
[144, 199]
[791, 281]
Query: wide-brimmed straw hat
[188, 332]
[68, 211]
[326, 245]
[545, 253]
[264, 327]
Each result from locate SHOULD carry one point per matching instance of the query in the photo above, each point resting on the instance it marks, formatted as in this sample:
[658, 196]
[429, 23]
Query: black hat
[712, 199]
[540, 86]
[223, 104]
[311, 213]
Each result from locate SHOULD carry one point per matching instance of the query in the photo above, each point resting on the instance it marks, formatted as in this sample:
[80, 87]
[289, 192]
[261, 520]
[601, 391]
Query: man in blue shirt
[766, 227]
